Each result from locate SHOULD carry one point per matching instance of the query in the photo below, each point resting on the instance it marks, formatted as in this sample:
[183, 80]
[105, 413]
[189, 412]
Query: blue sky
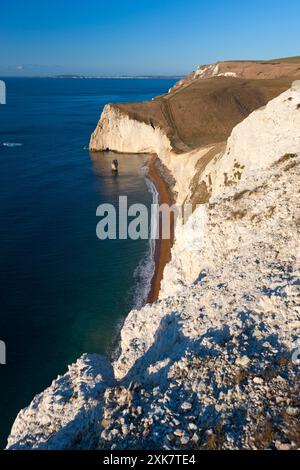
[140, 36]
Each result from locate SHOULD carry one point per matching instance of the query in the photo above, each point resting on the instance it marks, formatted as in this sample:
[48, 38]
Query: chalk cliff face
[212, 364]
[248, 151]
[117, 131]
[250, 148]
[68, 414]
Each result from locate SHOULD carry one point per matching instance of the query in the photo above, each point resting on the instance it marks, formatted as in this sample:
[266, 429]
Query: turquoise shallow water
[63, 292]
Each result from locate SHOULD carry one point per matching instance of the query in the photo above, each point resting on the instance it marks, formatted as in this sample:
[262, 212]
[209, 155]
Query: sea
[63, 291]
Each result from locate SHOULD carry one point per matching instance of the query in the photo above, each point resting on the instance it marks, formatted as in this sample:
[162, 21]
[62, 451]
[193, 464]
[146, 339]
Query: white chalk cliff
[68, 414]
[119, 132]
[213, 363]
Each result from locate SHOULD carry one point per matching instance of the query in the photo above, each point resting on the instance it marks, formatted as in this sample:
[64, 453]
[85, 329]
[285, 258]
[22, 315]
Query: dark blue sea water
[63, 292]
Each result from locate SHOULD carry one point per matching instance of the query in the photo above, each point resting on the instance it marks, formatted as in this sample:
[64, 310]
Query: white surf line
[146, 268]
[12, 144]
[154, 215]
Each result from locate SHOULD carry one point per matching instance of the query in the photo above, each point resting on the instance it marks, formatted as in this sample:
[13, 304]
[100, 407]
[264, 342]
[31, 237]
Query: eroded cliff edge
[212, 364]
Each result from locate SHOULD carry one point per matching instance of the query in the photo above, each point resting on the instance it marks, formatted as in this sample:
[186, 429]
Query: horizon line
[83, 76]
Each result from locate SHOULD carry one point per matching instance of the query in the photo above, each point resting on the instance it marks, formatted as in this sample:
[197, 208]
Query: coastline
[225, 328]
[163, 248]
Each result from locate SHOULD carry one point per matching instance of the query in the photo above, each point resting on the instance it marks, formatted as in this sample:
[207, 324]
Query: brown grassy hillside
[205, 111]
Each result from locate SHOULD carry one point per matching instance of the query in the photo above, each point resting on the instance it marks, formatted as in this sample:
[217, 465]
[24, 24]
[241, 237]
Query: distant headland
[169, 77]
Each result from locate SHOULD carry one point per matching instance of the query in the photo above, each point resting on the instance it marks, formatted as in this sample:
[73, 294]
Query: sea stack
[114, 166]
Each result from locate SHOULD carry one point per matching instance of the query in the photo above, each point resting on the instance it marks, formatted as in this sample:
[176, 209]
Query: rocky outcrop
[117, 131]
[212, 364]
[212, 367]
[68, 414]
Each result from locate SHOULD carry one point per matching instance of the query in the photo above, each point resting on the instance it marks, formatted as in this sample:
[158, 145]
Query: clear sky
[141, 36]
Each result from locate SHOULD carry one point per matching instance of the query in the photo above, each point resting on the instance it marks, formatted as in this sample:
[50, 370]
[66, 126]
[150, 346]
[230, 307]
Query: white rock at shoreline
[67, 414]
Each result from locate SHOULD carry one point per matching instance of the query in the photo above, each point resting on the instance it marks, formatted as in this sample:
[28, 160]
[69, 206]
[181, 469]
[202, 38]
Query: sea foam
[12, 144]
[145, 270]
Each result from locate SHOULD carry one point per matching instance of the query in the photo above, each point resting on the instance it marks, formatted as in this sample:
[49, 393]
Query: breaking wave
[12, 144]
[145, 270]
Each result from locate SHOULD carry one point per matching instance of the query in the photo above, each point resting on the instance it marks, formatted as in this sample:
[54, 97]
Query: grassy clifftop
[204, 111]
